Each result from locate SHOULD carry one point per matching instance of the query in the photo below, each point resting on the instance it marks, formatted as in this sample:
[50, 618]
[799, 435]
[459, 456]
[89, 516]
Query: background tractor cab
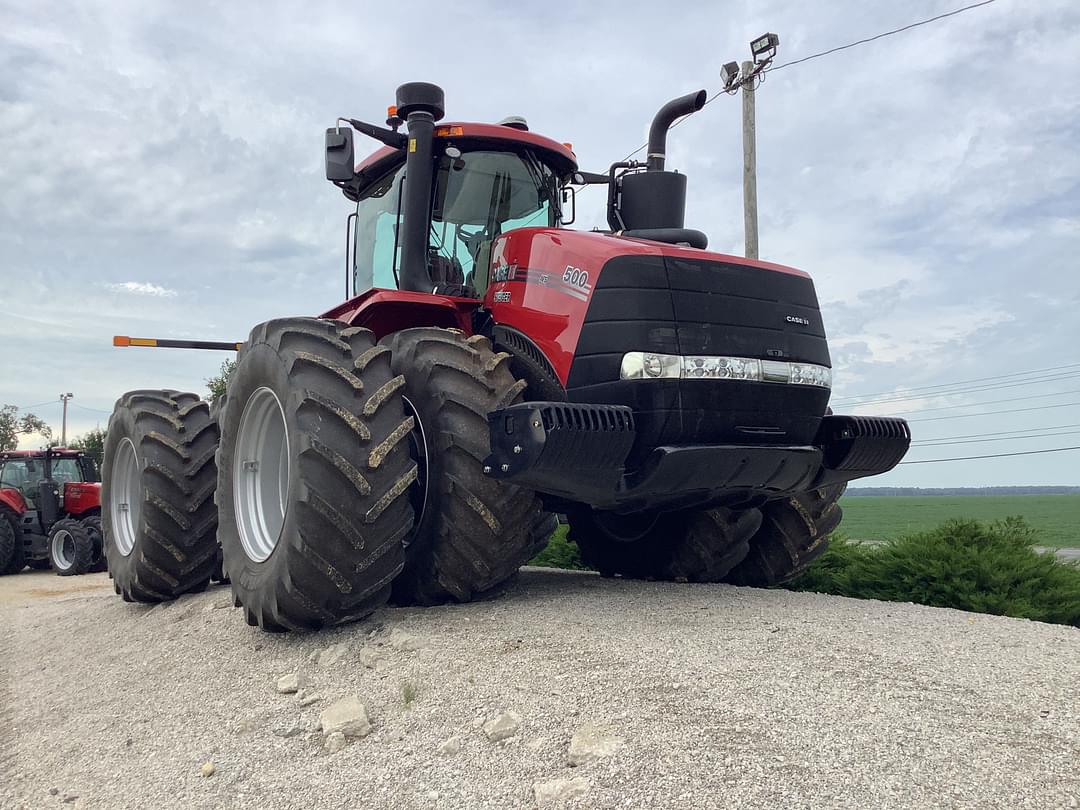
[50, 506]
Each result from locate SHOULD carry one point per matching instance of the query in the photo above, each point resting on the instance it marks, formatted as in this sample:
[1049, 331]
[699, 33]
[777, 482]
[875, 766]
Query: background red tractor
[50, 511]
[489, 368]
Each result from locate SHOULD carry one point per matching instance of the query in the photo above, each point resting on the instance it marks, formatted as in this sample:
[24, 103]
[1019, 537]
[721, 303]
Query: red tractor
[50, 512]
[488, 369]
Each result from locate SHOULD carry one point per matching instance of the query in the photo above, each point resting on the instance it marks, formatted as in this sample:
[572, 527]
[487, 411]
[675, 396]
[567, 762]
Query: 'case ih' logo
[797, 319]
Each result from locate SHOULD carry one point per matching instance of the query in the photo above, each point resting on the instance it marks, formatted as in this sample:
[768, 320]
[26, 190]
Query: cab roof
[56, 452]
[560, 155]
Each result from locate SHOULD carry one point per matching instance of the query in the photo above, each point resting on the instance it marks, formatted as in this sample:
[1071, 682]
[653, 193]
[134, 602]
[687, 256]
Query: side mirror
[339, 154]
[569, 201]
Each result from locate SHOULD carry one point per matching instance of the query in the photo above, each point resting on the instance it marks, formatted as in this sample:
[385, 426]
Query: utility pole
[751, 73]
[63, 430]
[749, 149]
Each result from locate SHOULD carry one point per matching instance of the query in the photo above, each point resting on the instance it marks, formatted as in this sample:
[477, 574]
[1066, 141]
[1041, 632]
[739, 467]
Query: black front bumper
[577, 453]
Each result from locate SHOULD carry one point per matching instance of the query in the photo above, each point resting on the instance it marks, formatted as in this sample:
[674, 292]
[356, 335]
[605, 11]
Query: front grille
[685, 307]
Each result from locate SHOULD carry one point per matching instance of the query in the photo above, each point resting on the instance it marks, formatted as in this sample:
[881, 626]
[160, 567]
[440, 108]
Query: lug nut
[505, 468]
[536, 423]
[487, 469]
[517, 448]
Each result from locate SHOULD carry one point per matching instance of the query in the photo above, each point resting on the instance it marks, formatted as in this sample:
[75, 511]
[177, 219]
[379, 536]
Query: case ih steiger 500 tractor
[50, 507]
[490, 368]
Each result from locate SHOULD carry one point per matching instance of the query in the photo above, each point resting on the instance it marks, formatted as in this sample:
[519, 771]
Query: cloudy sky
[161, 175]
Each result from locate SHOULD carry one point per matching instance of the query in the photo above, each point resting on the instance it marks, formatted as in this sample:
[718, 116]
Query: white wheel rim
[125, 497]
[63, 549]
[260, 475]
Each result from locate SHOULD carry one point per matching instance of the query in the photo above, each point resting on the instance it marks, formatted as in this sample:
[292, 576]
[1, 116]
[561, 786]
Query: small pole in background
[63, 429]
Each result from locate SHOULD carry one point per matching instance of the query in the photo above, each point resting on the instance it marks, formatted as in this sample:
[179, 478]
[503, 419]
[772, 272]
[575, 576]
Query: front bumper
[577, 453]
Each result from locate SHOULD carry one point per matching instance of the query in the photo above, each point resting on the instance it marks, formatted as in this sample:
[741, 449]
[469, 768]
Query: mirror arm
[589, 178]
[396, 140]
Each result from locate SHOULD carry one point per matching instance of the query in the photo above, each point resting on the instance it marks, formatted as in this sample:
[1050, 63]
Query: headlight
[654, 366]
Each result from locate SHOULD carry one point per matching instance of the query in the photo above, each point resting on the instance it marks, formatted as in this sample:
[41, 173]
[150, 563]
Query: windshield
[25, 474]
[477, 197]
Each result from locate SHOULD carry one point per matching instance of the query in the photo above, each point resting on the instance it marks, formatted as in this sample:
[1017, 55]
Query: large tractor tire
[795, 532]
[692, 546]
[98, 560]
[314, 471]
[473, 532]
[12, 552]
[157, 495]
[71, 550]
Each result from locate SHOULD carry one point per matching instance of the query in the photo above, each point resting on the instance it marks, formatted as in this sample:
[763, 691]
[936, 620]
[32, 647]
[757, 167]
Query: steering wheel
[473, 241]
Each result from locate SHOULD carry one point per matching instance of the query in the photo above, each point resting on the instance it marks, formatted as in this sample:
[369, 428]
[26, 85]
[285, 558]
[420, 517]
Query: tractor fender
[81, 498]
[12, 499]
[385, 312]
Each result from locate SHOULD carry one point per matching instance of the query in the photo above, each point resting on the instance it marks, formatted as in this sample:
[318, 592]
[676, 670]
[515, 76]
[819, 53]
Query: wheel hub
[261, 470]
[125, 497]
[63, 549]
[626, 528]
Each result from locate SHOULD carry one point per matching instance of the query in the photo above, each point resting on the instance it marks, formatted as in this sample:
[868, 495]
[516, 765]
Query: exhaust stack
[661, 123]
[654, 200]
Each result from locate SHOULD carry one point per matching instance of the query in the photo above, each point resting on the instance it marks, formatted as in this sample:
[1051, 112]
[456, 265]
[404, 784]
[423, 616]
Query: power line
[998, 439]
[959, 391]
[998, 433]
[990, 402]
[993, 413]
[881, 35]
[719, 93]
[95, 410]
[995, 455]
[38, 405]
[907, 391]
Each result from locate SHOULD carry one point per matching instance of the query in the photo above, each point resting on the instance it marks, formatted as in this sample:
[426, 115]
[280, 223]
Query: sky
[161, 176]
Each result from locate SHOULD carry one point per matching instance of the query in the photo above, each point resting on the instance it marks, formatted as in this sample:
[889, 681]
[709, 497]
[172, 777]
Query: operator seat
[447, 275]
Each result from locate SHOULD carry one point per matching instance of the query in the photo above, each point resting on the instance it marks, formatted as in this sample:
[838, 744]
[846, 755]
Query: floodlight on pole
[764, 47]
[729, 75]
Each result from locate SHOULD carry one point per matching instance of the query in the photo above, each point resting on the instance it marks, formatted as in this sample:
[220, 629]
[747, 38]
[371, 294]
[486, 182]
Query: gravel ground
[715, 697]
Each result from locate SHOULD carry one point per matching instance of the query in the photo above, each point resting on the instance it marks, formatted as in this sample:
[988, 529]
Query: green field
[873, 517]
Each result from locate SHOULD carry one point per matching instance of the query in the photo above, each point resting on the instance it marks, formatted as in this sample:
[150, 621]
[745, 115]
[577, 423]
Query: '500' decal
[574, 281]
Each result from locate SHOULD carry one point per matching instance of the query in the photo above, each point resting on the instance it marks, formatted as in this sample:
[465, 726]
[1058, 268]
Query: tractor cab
[485, 180]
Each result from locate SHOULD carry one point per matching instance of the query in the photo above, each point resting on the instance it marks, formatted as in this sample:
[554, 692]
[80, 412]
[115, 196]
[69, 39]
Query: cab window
[476, 197]
[376, 255]
[23, 475]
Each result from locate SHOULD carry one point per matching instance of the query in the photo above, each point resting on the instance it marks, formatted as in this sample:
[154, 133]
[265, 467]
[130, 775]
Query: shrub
[963, 564]
[560, 553]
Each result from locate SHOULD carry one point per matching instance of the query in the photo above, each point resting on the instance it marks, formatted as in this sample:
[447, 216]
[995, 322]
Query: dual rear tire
[322, 509]
[758, 548]
[158, 479]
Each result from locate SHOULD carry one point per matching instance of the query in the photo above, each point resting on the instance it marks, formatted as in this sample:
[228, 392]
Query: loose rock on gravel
[503, 727]
[592, 742]
[721, 697]
[347, 716]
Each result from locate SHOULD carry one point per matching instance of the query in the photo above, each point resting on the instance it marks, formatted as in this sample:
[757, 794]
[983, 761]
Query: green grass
[1056, 518]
